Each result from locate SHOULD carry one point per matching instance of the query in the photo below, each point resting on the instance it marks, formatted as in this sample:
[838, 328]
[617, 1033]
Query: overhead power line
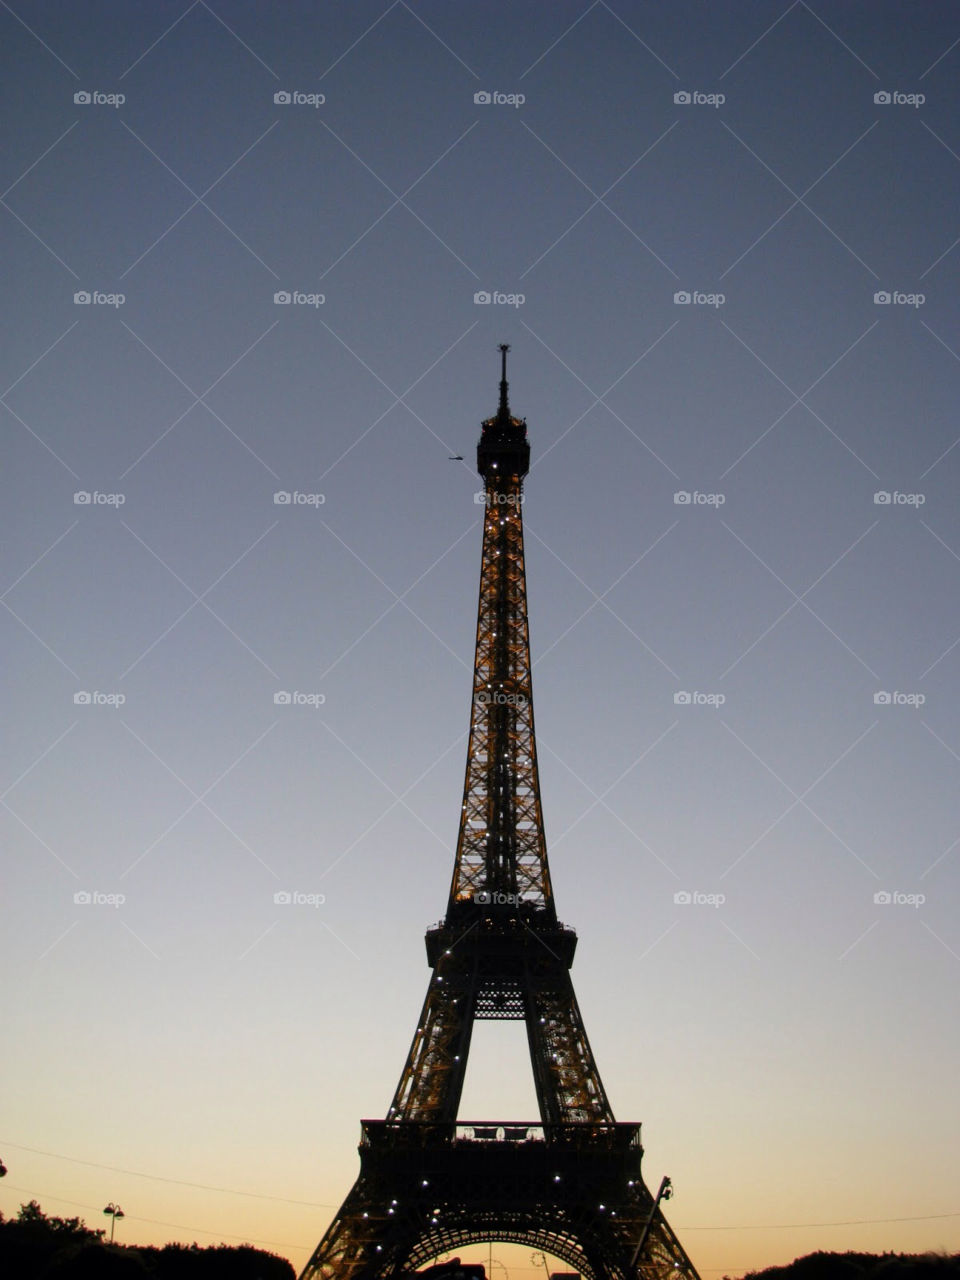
[313, 1204]
[179, 1182]
[173, 1226]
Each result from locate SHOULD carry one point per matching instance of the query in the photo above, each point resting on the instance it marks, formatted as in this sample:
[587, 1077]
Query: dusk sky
[723, 242]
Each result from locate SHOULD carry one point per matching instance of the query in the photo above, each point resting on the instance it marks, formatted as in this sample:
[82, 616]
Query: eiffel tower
[568, 1184]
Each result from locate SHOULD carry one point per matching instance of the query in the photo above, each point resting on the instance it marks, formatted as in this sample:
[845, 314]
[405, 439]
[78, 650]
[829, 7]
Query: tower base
[572, 1190]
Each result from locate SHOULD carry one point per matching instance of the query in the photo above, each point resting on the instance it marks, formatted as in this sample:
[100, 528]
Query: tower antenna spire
[504, 410]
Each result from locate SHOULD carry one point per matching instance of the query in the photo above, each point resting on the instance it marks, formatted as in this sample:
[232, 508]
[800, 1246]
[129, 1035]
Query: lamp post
[115, 1212]
[665, 1192]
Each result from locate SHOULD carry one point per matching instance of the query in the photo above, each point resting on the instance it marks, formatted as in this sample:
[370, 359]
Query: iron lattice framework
[570, 1184]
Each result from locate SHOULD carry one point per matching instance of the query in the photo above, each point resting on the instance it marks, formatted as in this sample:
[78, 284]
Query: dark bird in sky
[455, 457]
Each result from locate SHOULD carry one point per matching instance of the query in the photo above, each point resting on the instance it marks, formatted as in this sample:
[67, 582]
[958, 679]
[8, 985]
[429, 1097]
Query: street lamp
[115, 1212]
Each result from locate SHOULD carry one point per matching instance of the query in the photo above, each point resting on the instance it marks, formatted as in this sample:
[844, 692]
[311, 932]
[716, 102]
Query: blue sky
[791, 1049]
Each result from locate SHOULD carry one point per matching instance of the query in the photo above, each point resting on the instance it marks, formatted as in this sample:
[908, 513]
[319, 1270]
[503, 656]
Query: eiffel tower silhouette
[568, 1184]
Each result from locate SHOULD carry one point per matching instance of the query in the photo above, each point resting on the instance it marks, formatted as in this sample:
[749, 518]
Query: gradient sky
[792, 1052]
